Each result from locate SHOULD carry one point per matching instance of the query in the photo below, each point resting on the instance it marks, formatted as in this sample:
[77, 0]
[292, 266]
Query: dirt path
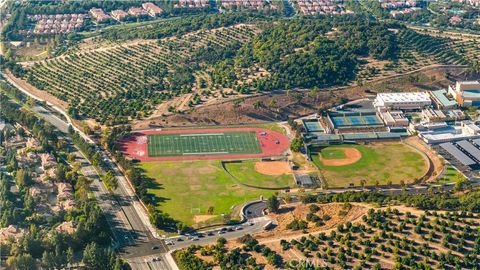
[436, 163]
[36, 92]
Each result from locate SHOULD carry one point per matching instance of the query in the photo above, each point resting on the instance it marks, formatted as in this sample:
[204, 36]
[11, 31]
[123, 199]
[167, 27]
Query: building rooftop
[441, 96]
[404, 97]
[471, 93]
[448, 134]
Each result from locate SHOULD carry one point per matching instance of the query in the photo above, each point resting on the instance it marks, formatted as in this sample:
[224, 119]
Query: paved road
[132, 235]
[255, 210]
[152, 262]
[127, 218]
[208, 237]
[133, 231]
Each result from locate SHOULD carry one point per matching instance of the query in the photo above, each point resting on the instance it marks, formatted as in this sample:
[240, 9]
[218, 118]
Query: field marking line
[201, 134]
[204, 153]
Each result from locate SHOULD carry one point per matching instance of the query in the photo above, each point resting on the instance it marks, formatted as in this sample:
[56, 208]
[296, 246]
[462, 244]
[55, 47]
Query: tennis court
[191, 144]
[312, 125]
[354, 119]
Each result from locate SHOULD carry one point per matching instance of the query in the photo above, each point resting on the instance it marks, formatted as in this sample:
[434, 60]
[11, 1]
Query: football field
[191, 144]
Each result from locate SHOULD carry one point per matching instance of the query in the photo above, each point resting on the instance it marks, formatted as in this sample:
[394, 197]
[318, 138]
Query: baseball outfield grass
[381, 163]
[245, 173]
[186, 189]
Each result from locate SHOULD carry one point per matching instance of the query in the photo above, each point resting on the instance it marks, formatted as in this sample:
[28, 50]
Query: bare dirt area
[202, 218]
[281, 105]
[304, 165]
[436, 162]
[272, 167]
[278, 106]
[354, 226]
[338, 213]
[36, 92]
[352, 155]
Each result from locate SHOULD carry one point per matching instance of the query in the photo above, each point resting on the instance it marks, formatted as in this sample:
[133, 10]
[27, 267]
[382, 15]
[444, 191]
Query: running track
[135, 145]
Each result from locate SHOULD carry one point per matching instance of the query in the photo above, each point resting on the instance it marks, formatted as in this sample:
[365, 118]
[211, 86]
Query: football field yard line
[204, 153]
[201, 135]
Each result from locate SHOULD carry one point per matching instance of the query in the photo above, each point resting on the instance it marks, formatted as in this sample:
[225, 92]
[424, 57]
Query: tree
[221, 241]
[362, 183]
[273, 204]
[23, 178]
[90, 258]
[258, 105]
[110, 180]
[25, 262]
[48, 260]
[296, 144]
[70, 258]
[82, 187]
[97, 159]
[71, 157]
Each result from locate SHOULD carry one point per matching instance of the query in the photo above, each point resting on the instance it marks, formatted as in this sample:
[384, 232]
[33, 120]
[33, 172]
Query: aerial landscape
[239, 134]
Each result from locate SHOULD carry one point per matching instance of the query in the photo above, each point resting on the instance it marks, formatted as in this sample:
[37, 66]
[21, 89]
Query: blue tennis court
[312, 125]
[354, 119]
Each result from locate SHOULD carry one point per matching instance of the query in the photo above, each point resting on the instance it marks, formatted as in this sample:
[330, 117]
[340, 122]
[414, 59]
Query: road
[134, 235]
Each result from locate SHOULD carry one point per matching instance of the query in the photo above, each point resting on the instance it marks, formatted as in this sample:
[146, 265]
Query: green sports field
[185, 189]
[245, 173]
[331, 153]
[381, 163]
[164, 145]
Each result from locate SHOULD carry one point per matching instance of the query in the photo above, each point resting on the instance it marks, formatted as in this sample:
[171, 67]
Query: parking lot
[464, 154]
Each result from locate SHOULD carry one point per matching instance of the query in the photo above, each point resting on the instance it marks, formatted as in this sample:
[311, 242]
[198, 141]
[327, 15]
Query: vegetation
[139, 76]
[273, 204]
[388, 163]
[444, 201]
[386, 238]
[246, 174]
[177, 26]
[184, 189]
[295, 53]
[43, 246]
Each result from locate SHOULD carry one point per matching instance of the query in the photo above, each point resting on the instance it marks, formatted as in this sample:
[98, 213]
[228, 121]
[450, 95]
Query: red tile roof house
[119, 15]
[137, 11]
[152, 9]
[99, 14]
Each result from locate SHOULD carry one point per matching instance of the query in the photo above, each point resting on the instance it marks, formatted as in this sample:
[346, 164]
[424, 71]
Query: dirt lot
[281, 105]
[299, 211]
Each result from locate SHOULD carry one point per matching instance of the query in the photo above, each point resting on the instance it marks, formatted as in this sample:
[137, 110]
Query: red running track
[135, 146]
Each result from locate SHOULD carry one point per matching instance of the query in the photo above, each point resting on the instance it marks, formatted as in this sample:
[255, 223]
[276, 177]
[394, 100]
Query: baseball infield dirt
[272, 167]
[352, 155]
